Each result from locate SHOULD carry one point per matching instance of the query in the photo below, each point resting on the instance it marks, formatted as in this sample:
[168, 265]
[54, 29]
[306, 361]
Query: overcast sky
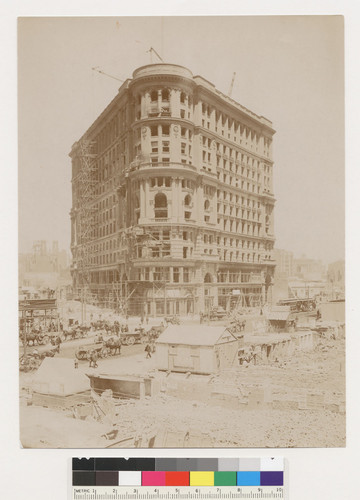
[288, 69]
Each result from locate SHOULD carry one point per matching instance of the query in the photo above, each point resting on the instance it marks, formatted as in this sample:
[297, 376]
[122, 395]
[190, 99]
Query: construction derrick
[86, 183]
[130, 294]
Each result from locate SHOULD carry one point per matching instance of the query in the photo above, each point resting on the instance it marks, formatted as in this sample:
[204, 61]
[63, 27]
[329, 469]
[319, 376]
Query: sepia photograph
[181, 188]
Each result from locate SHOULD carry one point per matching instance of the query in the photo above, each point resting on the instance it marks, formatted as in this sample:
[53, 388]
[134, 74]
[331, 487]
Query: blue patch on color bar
[271, 478]
[248, 478]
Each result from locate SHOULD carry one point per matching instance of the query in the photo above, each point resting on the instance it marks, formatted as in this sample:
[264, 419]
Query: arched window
[206, 204]
[187, 200]
[187, 203]
[154, 95]
[161, 206]
[207, 278]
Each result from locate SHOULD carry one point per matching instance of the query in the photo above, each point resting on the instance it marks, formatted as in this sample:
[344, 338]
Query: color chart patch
[176, 472]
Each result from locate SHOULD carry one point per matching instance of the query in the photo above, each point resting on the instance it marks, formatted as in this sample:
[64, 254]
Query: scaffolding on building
[86, 183]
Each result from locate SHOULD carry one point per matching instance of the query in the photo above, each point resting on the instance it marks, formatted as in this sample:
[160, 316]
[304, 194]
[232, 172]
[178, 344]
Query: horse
[114, 344]
[50, 353]
[70, 333]
[56, 340]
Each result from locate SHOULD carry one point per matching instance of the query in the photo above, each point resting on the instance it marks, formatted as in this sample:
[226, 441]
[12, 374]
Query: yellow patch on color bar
[199, 478]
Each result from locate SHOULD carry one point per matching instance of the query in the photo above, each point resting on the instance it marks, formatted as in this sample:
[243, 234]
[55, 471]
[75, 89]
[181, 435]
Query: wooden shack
[198, 349]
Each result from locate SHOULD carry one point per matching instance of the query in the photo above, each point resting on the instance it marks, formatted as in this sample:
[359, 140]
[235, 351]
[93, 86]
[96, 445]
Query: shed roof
[278, 315]
[271, 338]
[196, 335]
[58, 376]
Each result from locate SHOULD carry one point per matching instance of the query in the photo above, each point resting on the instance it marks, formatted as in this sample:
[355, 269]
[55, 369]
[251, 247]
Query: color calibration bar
[176, 472]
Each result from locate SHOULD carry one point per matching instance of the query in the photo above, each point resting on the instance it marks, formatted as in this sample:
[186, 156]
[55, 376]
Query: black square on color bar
[83, 464]
[113, 463]
[83, 478]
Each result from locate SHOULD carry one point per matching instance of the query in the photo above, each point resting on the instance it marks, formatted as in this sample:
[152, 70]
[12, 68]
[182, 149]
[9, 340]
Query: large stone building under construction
[173, 205]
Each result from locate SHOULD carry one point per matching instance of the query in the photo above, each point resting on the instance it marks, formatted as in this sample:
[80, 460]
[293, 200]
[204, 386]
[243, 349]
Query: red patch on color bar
[177, 478]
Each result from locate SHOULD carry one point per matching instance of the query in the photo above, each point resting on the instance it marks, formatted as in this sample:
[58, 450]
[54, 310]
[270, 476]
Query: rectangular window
[186, 275]
[176, 274]
[167, 181]
[157, 274]
[154, 130]
[154, 147]
[165, 129]
[166, 251]
[166, 147]
[155, 235]
[183, 148]
[155, 252]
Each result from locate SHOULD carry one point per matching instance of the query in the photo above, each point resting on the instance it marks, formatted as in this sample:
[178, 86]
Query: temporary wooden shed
[197, 349]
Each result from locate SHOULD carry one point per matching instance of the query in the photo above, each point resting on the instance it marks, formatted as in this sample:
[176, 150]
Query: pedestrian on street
[76, 364]
[148, 351]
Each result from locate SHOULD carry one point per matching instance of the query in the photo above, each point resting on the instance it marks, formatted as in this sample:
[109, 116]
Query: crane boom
[151, 50]
[232, 84]
[106, 74]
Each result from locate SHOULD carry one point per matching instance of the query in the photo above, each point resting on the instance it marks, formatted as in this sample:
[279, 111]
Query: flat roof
[194, 335]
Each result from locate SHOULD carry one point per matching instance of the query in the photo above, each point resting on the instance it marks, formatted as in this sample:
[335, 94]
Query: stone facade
[179, 208]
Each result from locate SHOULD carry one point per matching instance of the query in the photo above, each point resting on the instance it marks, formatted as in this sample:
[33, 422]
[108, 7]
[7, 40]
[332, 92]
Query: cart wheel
[144, 339]
[130, 340]
[45, 339]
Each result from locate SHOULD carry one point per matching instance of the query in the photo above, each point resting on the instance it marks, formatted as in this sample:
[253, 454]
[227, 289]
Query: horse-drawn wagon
[84, 351]
[75, 332]
[35, 337]
[103, 348]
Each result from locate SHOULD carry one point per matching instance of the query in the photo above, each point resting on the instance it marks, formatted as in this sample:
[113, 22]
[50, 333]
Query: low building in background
[336, 279]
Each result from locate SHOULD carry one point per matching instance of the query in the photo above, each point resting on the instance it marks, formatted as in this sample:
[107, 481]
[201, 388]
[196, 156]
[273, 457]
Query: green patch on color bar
[223, 478]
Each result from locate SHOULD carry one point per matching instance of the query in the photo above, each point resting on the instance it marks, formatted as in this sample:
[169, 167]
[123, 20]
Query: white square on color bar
[130, 478]
[272, 464]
